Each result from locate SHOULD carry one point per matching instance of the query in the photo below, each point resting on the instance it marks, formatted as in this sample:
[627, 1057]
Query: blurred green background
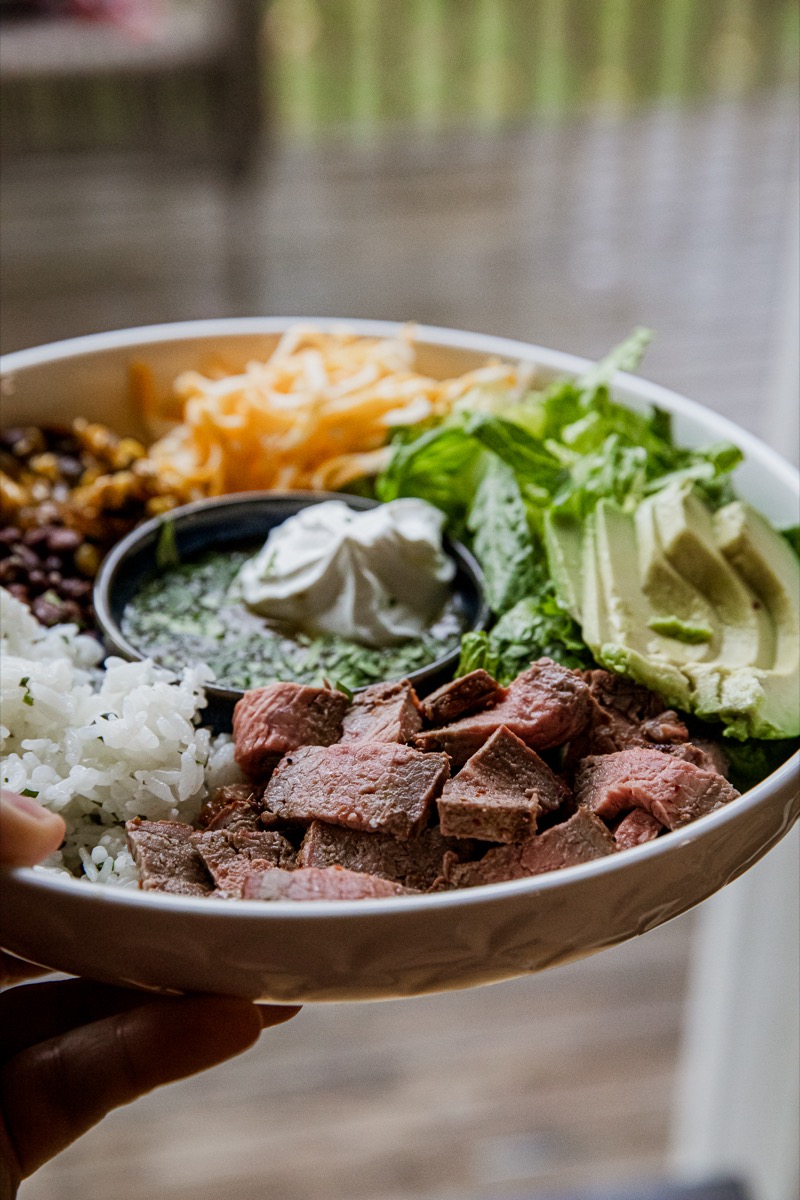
[362, 68]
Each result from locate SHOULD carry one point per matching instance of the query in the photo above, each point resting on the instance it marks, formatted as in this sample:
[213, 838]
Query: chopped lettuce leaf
[753, 760]
[440, 466]
[501, 539]
[476, 653]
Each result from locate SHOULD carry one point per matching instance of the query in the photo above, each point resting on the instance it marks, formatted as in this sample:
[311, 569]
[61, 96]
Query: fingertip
[28, 831]
[276, 1014]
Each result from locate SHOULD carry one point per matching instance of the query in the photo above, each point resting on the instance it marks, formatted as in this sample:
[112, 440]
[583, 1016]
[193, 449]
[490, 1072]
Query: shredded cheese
[316, 414]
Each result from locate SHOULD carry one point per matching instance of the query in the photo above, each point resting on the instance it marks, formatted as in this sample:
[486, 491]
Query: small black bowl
[228, 520]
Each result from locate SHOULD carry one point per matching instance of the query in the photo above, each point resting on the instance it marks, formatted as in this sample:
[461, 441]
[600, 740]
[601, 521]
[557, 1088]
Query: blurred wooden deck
[568, 235]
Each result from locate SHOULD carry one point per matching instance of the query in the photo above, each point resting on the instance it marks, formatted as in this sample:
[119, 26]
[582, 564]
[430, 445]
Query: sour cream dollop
[378, 576]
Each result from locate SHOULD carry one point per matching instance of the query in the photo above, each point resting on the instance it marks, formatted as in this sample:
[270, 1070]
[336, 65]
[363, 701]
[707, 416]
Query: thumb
[28, 831]
[53, 1092]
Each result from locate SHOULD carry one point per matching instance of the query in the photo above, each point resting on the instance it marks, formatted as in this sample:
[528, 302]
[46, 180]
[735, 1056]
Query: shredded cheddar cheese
[316, 414]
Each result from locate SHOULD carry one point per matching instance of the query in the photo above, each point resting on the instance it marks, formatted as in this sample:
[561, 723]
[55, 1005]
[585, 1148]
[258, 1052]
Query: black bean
[54, 578]
[28, 557]
[19, 590]
[62, 541]
[9, 535]
[53, 562]
[47, 612]
[71, 612]
[76, 589]
[11, 570]
[38, 580]
[35, 537]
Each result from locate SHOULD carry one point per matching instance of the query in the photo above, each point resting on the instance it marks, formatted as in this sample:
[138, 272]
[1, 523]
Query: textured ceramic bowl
[374, 949]
[247, 518]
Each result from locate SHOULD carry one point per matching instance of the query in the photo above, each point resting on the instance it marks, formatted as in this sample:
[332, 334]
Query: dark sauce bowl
[231, 520]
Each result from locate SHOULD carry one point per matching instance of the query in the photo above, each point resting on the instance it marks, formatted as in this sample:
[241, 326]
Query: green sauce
[190, 613]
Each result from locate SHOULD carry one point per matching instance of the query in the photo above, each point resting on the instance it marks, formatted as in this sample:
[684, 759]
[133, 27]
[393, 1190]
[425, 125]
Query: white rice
[101, 746]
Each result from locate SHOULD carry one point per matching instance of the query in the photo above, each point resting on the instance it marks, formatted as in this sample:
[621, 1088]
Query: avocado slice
[703, 608]
[766, 561]
[617, 611]
[672, 598]
[685, 526]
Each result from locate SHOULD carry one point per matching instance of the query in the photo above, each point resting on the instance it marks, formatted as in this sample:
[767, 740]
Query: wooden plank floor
[566, 235]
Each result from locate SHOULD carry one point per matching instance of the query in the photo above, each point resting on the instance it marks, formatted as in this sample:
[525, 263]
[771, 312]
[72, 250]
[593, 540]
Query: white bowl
[373, 949]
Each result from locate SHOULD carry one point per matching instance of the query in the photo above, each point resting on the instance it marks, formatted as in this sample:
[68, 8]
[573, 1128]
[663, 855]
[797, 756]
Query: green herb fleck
[167, 547]
[682, 631]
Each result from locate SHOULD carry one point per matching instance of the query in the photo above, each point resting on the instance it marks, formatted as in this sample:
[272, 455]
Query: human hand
[71, 1050]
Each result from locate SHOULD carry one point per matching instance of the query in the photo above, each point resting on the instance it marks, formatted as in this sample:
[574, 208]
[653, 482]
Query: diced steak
[416, 862]
[622, 696]
[230, 856]
[385, 712]
[318, 883]
[626, 714]
[673, 790]
[637, 827]
[270, 721]
[545, 706]
[580, 839]
[701, 752]
[381, 787]
[461, 696]
[166, 858]
[221, 799]
[497, 796]
[665, 729]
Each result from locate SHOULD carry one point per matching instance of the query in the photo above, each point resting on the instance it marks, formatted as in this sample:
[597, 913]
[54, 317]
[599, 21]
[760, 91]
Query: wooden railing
[363, 67]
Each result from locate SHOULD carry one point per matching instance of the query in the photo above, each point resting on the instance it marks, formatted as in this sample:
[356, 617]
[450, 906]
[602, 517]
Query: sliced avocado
[687, 534]
[771, 568]
[563, 540]
[703, 608]
[616, 610]
[672, 598]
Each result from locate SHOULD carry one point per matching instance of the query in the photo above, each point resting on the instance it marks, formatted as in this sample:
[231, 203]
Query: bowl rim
[489, 894]
[117, 555]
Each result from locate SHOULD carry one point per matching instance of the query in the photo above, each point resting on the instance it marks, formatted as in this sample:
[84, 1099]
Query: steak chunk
[674, 791]
[544, 706]
[385, 712]
[229, 856]
[416, 862]
[464, 695]
[703, 753]
[637, 827]
[166, 858]
[318, 883]
[496, 797]
[240, 816]
[270, 721]
[221, 799]
[581, 838]
[381, 787]
[627, 715]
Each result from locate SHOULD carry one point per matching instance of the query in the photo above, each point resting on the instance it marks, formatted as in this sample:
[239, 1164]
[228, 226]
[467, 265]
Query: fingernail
[27, 805]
